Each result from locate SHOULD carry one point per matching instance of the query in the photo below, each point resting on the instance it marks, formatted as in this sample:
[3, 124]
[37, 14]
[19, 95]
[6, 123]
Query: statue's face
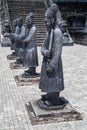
[48, 22]
[49, 2]
[20, 23]
[7, 23]
[29, 23]
[15, 23]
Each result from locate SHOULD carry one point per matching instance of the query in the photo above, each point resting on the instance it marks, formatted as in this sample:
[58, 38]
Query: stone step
[39, 38]
[20, 5]
[37, 18]
[40, 20]
[27, 8]
[22, 9]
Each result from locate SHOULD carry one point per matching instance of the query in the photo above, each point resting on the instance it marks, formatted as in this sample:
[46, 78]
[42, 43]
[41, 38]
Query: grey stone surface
[13, 114]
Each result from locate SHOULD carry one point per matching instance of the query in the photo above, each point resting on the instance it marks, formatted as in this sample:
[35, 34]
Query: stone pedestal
[11, 57]
[21, 81]
[40, 116]
[6, 42]
[14, 65]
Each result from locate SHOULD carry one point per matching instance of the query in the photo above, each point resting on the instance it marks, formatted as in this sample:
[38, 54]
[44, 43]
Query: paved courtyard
[13, 114]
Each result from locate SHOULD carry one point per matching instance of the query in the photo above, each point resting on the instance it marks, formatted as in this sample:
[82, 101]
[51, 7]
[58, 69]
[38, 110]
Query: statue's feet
[29, 74]
[13, 54]
[49, 100]
[18, 61]
[48, 105]
[27, 71]
[51, 103]
[46, 96]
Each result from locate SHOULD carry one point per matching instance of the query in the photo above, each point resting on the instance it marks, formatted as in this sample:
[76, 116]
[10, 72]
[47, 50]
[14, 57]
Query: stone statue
[67, 40]
[13, 45]
[18, 38]
[30, 58]
[14, 25]
[48, 3]
[32, 15]
[7, 28]
[51, 80]
[58, 15]
[6, 34]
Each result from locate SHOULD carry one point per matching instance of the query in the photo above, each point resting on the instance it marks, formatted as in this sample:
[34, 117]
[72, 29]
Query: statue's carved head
[19, 22]
[48, 3]
[7, 23]
[30, 20]
[51, 16]
[54, 8]
[49, 20]
[32, 15]
[14, 23]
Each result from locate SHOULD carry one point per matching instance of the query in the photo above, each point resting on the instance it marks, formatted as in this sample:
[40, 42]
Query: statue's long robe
[54, 82]
[19, 34]
[30, 57]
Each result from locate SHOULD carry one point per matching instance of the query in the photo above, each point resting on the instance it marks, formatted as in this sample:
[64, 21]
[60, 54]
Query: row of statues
[25, 49]
[24, 41]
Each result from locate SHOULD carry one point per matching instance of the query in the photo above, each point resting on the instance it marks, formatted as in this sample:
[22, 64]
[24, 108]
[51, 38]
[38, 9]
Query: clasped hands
[47, 54]
[49, 69]
[12, 35]
[25, 41]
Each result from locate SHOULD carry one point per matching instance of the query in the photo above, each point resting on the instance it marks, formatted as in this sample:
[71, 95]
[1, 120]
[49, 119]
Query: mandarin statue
[17, 39]
[6, 34]
[13, 45]
[30, 57]
[14, 25]
[51, 80]
[67, 39]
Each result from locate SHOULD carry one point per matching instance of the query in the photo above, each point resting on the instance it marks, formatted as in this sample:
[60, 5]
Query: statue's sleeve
[43, 48]
[16, 30]
[22, 33]
[10, 30]
[3, 31]
[58, 40]
[16, 33]
[32, 34]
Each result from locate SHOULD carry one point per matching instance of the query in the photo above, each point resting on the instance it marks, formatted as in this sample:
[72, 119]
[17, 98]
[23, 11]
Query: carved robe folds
[30, 58]
[54, 81]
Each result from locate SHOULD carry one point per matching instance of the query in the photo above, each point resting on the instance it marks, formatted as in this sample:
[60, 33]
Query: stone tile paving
[13, 114]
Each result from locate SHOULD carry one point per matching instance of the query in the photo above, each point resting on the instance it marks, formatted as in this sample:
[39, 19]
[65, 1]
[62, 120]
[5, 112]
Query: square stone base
[11, 57]
[21, 81]
[6, 42]
[40, 116]
[15, 66]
